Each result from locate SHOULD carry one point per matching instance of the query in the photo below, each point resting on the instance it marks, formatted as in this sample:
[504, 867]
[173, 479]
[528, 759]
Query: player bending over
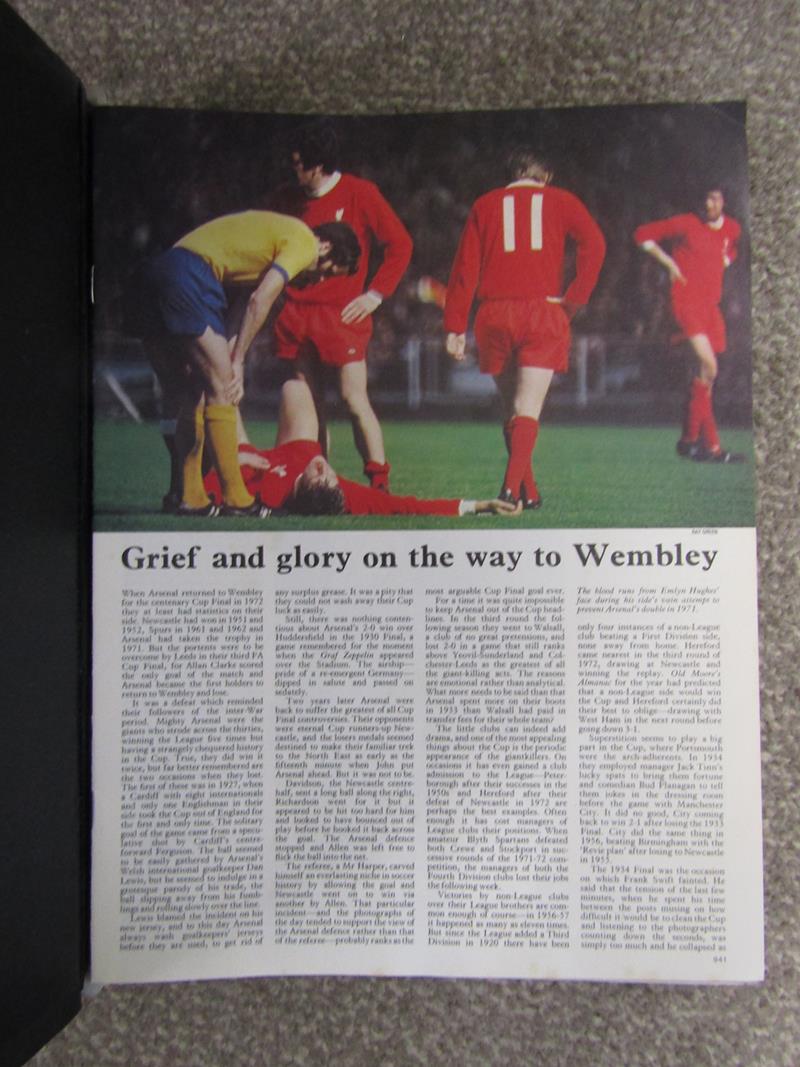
[200, 368]
[510, 258]
[332, 325]
[702, 248]
[295, 477]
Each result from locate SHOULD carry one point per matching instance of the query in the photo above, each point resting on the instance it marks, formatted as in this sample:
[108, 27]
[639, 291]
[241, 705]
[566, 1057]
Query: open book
[495, 711]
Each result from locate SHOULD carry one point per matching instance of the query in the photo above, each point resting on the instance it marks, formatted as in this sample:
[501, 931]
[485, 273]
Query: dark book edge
[44, 647]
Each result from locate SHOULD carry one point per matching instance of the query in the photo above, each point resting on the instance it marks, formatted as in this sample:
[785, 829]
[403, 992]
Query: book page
[432, 733]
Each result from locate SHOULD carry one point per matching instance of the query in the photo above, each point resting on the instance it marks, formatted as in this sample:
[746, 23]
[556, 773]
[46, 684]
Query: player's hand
[497, 507]
[254, 460]
[234, 391]
[362, 307]
[570, 309]
[456, 345]
[675, 273]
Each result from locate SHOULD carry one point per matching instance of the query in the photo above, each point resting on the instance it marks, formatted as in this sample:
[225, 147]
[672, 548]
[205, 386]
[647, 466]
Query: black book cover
[44, 299]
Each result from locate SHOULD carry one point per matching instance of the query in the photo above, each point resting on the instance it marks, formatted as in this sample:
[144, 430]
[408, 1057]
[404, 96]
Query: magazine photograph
[547, 306]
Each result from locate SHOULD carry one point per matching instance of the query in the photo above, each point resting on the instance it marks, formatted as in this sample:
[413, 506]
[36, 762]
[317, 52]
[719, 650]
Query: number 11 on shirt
[509, 223]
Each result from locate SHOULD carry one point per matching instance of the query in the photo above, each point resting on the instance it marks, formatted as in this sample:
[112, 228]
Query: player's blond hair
[524, 162]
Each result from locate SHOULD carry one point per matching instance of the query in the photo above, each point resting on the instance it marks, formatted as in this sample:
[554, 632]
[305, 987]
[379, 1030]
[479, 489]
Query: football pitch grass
[589, 477]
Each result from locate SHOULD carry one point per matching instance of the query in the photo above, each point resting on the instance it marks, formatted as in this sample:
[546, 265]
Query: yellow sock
[221, 429]
[189, 440]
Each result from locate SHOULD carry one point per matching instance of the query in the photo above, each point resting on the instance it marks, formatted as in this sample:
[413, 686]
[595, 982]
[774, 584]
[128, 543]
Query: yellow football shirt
[240, 247]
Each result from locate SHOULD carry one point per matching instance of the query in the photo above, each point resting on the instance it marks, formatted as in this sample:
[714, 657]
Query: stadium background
[158, 174]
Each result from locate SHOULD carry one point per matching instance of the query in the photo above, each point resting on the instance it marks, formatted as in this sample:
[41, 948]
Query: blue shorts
[181, 296]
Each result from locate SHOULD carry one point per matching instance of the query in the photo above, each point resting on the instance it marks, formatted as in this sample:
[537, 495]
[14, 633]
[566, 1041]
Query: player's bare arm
[258, 308]
[666, 260]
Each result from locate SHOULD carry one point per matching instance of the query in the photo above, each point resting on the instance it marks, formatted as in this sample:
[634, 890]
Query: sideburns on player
[510, 259]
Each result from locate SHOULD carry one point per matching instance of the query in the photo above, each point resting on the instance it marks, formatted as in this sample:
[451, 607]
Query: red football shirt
[274, 485]
[699, 249]
[360, 204]
[512, 248]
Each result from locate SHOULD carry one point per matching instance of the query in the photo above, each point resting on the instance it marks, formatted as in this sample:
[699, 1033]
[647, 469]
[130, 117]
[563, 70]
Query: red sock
[530, 490]
[378, 475]
[507, 435]
[708, 426]
[695, 410]
[519, 472]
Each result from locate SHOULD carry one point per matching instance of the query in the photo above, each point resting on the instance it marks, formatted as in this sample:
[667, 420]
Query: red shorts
[698, 316]
[533, 333]
[319, 327]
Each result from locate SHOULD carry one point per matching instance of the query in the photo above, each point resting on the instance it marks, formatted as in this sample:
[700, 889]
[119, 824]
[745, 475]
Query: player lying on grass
[201, 369]
[703, 246]
[295, 477]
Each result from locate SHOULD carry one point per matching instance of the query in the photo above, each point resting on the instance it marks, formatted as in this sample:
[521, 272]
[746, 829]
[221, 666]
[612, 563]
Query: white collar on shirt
[326, 186]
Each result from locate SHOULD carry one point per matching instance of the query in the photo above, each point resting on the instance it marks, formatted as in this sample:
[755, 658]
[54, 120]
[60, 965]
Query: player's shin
[698, 401]
[709, 435]
[220, 421]
[518, 478]
[189, 442]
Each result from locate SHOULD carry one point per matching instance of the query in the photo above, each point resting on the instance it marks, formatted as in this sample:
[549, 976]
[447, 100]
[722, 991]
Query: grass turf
[589, 476]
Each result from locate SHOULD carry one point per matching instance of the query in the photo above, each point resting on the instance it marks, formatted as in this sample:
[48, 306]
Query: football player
[202, 368]
[332, 324]
[510, 258]
[703, 247]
